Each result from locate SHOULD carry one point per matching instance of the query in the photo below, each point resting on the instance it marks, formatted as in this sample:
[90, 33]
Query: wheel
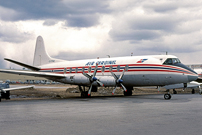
[0, 99]
[167, 96]
[193, 91]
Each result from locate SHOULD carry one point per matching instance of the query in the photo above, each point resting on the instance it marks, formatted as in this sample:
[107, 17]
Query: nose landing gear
[167, 96]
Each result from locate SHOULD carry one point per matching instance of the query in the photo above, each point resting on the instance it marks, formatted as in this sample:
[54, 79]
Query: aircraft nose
[192, 78]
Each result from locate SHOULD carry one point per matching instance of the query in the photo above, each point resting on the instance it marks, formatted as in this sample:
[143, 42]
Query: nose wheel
[167, 96]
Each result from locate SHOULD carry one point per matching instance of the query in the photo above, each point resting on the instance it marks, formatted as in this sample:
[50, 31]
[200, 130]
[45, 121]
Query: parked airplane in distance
[126, 72]
[5, 90]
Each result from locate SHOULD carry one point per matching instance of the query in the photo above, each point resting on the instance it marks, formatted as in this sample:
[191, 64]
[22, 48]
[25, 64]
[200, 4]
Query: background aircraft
[125, 72]
[5, 90]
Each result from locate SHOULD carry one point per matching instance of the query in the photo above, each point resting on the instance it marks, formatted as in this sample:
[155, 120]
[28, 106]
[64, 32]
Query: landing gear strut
[84, 94]
[193, 91]
[174, 91]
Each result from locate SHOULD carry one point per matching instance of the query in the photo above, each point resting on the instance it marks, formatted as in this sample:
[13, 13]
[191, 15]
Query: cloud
[84, 29]
[9, 32]
[77, 13]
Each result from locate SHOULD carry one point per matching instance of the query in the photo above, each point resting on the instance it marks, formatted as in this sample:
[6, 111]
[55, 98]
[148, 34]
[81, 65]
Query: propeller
[93, 79]
[119, 81]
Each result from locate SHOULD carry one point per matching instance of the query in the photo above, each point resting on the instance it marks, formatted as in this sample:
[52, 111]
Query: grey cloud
[82, 20]
[50, 22]
[2, 63]
[134, 35]
[74, 12]
[10, 33]
[165, 23]
[162, 6]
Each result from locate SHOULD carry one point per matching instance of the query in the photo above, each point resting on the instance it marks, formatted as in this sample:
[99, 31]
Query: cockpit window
[171, 61]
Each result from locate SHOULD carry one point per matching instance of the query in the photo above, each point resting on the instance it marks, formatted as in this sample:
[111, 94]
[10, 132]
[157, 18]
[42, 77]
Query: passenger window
[65, 70]
[126, 68]
[103, 68]
[110, 68]
[76, 70]
[89, 69]
[118, 68]
[83, 69]
[70, 70]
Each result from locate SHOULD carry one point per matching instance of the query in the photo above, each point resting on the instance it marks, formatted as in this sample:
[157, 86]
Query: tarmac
[104, 115]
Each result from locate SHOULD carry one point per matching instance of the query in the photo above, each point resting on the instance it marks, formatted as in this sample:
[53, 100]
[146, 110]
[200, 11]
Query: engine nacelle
[79, 79]
[108, 81]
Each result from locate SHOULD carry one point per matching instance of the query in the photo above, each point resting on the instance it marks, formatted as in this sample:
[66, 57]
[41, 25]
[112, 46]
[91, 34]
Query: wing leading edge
[34, 73]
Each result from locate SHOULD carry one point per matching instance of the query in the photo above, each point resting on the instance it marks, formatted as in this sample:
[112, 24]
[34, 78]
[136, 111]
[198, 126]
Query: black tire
[167, 96]
[128, 93]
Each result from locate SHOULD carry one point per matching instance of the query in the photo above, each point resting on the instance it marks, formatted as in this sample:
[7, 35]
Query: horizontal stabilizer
[22, 64]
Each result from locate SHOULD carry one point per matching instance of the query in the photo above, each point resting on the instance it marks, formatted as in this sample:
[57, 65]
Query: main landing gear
[128, 92]
[193, 91]
[84, 94]
[167, 96]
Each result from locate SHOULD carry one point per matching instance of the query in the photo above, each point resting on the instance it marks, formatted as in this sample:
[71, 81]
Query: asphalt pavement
[134, 115]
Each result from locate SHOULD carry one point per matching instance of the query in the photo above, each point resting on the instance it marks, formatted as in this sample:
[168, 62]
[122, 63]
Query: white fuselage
[139, 71]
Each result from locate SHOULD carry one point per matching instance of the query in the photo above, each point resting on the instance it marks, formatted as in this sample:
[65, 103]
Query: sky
[85, 29]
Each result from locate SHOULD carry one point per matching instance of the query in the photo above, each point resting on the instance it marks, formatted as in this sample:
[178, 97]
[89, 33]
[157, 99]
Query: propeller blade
[114, 90]
[121, 74]
[86, 75]
[89, 91]
[95, 70]
[100, 83]
[115, 77]
[123, 87]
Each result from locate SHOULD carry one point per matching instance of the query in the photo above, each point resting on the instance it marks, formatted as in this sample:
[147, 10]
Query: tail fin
[41, 57]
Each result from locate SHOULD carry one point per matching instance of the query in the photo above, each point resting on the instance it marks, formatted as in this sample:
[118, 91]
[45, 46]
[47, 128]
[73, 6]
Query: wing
[18, 88]
[199, 80]
[34, 73]
[192, 84]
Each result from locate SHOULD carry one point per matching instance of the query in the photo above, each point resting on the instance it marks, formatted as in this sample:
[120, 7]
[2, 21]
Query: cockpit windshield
[171, 61]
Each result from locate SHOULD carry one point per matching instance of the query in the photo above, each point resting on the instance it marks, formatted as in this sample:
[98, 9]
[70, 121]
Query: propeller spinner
[119, 81]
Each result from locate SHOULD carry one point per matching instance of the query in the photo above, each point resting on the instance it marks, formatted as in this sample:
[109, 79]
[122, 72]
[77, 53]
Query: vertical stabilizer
[41, 57]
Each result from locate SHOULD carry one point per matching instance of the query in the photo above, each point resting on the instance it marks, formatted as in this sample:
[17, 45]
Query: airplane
[5, 90]
[126, 72]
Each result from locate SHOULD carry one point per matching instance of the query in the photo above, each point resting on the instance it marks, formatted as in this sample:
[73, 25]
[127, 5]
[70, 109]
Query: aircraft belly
[129, 79]
[153, 79]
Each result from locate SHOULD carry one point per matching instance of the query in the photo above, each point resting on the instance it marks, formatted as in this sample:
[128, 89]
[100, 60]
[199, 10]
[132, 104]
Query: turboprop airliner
[125, 72]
